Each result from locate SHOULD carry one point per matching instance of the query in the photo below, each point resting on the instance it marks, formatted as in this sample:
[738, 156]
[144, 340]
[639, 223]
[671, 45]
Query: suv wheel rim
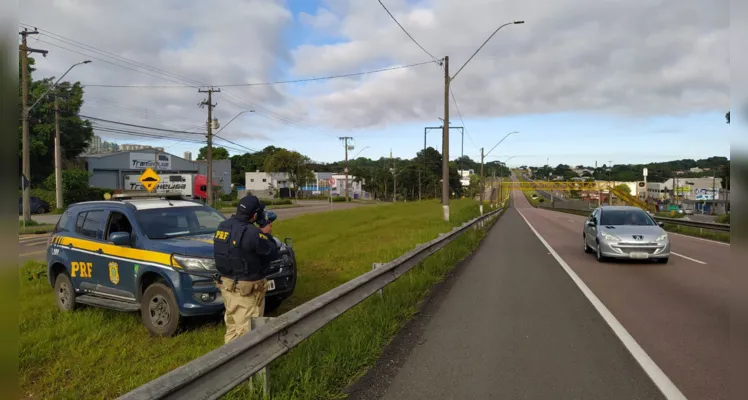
[159, 310]
[64, 295]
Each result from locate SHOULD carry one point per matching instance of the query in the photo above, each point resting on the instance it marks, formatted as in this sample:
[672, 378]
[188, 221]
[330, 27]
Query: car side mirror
[591, 222]
[120, 238]
[661, 224]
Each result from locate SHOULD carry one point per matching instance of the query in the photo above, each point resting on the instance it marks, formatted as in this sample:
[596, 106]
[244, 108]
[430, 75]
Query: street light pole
[445, 133]
[482, 159]
[57, 148]
[232, 120]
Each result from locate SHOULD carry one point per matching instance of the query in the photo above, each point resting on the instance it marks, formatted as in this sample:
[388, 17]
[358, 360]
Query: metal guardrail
[219, 371]
[695, 224]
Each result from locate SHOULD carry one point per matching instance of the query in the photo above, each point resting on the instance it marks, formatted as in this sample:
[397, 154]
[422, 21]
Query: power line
[137, 126]
[461, 120]
[322, 78]
[406, 32]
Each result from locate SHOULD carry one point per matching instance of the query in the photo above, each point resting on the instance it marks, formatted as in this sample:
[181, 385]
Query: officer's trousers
[243, 300]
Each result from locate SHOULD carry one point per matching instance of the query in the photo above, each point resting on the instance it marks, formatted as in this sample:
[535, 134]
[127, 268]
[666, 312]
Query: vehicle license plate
[639, 255]
[271, 285]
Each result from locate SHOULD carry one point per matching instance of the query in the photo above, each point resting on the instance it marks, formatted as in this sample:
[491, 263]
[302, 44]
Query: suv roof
[604, 208]
[139, 204]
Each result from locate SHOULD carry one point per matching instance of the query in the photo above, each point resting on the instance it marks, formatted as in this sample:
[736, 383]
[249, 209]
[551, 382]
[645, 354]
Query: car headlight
[662, 237]
[194, 263]
[608, 236]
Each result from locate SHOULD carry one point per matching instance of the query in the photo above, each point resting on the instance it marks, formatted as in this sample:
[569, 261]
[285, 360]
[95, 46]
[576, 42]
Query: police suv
[152, 254]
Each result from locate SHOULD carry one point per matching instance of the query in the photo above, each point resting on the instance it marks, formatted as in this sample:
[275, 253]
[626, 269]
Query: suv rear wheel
[159, 311]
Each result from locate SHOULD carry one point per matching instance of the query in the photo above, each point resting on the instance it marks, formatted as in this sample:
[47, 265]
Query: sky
[581, 81]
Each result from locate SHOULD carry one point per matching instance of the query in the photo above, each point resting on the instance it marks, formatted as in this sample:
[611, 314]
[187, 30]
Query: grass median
[97, 353]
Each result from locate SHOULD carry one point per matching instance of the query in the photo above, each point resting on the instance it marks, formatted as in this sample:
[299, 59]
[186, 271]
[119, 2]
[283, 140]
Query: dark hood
[197, 246]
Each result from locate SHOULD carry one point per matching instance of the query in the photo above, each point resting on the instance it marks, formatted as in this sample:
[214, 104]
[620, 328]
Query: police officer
[242, 251]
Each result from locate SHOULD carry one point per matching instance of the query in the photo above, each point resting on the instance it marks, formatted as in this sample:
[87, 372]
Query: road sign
[331, 181]
[149, 179]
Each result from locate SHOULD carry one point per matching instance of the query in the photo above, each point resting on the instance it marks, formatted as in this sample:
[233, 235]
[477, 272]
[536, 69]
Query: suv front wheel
[65, 293]
[159, 310]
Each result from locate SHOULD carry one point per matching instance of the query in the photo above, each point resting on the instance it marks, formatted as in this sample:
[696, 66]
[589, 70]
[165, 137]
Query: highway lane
[513, 326]
[678, 313]
[33, 247]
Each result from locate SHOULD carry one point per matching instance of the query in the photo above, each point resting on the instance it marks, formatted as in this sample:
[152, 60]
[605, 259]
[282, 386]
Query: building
[465, 176]
[98, 146]
[188, 155]
[265, 184]
[109, 170]
[135, 147]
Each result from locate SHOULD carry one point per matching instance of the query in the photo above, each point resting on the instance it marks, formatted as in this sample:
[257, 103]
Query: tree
[219, 153]
[724, 175]
[75, 133]
[292, 163]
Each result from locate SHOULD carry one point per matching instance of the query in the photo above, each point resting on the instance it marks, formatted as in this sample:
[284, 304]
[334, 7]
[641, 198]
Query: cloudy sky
[581, 80]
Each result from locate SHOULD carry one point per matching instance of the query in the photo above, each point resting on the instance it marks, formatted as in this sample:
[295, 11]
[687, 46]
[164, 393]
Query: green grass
[97, 353]
[33, 227]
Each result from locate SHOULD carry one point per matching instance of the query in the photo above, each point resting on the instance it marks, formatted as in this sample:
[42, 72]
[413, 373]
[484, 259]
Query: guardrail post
[380, 292]
[262, 374]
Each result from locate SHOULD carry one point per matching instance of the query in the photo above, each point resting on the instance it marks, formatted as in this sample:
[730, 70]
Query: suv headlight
[662, 237]
[199, 264]
[608, 236]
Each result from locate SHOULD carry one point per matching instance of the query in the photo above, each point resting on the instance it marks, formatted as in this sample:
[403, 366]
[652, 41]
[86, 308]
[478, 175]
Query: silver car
[625, 232]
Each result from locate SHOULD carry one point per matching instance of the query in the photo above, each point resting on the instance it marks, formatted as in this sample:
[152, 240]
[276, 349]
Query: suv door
[591, 231]
[87, 267]
[120, 279]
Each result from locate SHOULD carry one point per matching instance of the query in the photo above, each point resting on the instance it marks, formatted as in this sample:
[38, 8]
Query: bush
[338, 199]
[723, 219]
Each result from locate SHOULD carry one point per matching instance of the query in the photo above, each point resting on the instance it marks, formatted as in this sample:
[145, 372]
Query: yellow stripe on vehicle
[109, 249]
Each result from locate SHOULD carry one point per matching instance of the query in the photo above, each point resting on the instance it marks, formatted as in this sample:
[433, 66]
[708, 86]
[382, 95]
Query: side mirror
[120, 238]
[661, 224]
[591, 222]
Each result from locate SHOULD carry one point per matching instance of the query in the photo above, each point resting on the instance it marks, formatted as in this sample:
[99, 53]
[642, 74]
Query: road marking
[666, 386]
[32, 253]
[698, 238]
[687, 258]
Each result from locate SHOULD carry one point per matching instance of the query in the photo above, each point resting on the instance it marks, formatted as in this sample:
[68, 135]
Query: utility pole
[58, 156]
[445, 144]
[394, 179]
[345, 142]
[482, 180]
[209, 102]
[23, 52]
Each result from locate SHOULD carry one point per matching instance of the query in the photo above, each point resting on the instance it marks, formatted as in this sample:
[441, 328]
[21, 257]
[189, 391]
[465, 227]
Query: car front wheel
[159, 311]
[599, 254]
[587, 248]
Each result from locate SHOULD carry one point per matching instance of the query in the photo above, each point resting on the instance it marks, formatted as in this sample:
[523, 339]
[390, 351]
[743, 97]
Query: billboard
[707, 194]
[145, 160]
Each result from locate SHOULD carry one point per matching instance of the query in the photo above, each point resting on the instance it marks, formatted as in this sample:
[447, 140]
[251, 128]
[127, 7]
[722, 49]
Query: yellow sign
[149, 179]
[114, 272]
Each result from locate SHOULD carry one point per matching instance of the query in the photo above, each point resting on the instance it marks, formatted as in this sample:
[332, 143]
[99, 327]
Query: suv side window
[92, 225]
[118, 222]
[62, 222]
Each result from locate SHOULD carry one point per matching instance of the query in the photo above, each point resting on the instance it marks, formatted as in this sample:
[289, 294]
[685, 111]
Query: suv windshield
[626, 217]
[164, 223]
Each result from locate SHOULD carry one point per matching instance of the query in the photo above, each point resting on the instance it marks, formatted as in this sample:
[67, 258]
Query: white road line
[687, 258]
[666, 386]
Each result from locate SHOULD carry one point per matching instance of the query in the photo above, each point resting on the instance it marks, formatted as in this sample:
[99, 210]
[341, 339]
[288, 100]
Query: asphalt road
[33, 247]
[513, 325]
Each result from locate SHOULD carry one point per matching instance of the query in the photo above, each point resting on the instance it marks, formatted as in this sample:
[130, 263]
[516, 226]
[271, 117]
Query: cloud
[631, 58]
[642, 58]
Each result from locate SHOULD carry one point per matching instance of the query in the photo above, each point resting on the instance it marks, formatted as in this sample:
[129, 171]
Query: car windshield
[165, 223]
[626, 217]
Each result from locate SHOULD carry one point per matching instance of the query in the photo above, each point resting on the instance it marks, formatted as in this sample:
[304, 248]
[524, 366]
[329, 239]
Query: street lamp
[445, 133]
[232, 119]
[26, 159]
[359, 152]
[28, 110]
